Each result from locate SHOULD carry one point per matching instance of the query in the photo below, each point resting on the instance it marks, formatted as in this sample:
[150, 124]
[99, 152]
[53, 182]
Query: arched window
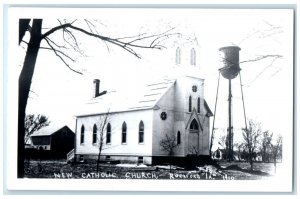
[124, 131]
[190, 104]
[141, 132]
[108, 133]
[94, 134]
[194, 125]
[178, 56]
[193, 57]
[198, 105]
[178, 137]
[82, 135]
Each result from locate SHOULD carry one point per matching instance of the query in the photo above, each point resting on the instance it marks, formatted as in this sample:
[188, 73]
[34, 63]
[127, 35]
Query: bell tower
[187, 53]
[186, 57]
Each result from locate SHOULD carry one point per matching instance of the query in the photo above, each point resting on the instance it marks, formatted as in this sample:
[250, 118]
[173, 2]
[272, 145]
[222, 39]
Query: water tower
[230, 70]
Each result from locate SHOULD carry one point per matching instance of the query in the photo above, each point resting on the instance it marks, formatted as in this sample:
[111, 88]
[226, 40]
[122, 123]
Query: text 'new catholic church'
[132, 130]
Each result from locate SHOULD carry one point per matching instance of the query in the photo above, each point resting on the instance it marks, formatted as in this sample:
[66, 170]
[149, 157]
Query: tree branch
[55, 51]
[262, 57]
[45, 48]
[128, 46]
[89, 24]
[275, 57]
[59, 46]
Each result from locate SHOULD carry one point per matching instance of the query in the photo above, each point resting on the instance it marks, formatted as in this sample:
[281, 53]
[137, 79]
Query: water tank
[230, 60]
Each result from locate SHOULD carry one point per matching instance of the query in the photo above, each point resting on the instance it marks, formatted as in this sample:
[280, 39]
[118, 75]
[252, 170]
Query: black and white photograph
[151, 98]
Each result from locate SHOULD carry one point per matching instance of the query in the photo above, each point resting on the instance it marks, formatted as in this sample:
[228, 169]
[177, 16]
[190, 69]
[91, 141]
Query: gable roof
[209, 112]
[114, 101]
[152, 93]
[193, 116]
[49, 130]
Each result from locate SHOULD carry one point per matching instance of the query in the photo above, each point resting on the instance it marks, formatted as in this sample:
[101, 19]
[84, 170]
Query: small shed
[55, 143]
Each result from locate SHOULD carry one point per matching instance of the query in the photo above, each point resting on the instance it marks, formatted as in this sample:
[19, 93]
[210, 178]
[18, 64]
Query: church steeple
[186, 57]
[186, 52]
[181, 58]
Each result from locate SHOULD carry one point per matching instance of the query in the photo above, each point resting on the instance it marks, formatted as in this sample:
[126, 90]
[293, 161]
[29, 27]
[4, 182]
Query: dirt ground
[226, 171]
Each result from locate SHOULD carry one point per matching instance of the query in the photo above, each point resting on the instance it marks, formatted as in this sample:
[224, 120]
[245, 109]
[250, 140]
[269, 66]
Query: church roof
[209, 112]
[114, 101]
[153, 93]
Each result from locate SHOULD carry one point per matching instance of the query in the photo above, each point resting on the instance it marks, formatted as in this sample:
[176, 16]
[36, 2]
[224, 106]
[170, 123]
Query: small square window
[81, 158]
[140, 160]
[107, 157]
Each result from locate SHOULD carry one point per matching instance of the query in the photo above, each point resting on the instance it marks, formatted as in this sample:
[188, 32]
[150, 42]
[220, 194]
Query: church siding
[206, 140]
[163, 127]
[184, 90]
[131, 148]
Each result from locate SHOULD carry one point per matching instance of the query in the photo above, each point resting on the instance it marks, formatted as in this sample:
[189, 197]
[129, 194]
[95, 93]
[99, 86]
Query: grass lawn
[60, 169]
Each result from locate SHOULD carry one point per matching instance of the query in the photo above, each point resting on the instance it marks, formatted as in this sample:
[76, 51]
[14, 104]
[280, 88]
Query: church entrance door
[193, 143]
[193, 138]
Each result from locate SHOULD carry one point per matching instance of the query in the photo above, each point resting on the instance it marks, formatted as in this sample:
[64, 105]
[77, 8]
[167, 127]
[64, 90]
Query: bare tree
[223, 142]
[169, 144]
[34, 123]
[41, 38]
[276, 149]
[102, 124]
[239, 147]
[265, 148]
[251, 139]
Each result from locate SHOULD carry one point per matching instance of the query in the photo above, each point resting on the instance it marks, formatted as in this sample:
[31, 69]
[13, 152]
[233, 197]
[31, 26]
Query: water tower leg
[245, 118]
[230, 127]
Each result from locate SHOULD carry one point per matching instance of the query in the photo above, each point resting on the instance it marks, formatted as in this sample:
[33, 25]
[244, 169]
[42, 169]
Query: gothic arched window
[193, 57]
[124, 132]
[82, 135]
[108, 133]
[178, 56]
[198, 105]
[190, 104]
[141, 132]
[94, 134]
[178, 137]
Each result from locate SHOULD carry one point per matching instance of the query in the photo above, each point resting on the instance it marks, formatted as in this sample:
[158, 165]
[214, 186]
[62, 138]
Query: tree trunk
[251, 160]
[275, 164]
[170, 163]
[24, 88]
[251, 165]
[99, 155]
[23, 27]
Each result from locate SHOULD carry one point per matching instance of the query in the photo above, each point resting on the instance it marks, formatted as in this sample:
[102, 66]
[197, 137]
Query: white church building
[130, 128]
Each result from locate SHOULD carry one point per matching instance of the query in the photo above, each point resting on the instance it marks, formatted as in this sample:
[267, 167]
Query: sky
[267, 84]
